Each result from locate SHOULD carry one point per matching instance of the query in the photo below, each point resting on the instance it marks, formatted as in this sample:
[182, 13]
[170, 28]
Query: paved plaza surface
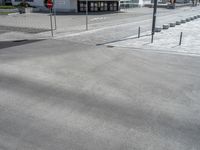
[167, 40]
[75, 92]
[104, 27]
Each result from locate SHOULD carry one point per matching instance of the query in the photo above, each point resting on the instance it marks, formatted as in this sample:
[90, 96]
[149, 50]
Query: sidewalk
[160, 5]
[105, 26]
[167, 41]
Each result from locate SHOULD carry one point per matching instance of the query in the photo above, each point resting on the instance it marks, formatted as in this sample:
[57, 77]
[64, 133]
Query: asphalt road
[62, 95]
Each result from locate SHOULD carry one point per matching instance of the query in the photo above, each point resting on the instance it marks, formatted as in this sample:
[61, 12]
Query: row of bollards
[173, 24]
[180, 39]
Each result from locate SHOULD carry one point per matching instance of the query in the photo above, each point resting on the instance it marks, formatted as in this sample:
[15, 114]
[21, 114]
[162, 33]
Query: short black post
[152, 35]
[139, 32]
[181, 36]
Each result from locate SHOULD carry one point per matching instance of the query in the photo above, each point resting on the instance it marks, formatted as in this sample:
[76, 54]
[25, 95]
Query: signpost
[86, 13]
[54, 10]
[49, 4]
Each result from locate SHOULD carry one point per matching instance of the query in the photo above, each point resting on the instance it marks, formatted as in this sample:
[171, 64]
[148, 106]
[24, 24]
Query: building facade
[5, 2]
[98, 5]
[133, 3]
[76, 5]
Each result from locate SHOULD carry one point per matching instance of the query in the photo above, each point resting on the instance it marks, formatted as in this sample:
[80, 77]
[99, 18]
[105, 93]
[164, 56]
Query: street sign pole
[154, 20]
[49, 4]
[86, 11]
[51, 22]
[54, 9]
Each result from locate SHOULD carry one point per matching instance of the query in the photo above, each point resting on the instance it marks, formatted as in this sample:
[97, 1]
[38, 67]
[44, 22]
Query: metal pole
[51, 22]
[154, 20]
[181, 35]
[54, 9]
[139, 32]
[86, 11]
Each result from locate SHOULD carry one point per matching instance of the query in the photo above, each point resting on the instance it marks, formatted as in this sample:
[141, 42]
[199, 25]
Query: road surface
[69, 94]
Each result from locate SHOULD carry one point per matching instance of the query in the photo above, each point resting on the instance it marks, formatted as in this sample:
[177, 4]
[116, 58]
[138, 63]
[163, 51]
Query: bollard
[181, 36]
[178, 22]
[183, 21]
[165, 26]
[172, 24]
[191, 18]
[187, 19]
[138, 32]
[158, 29]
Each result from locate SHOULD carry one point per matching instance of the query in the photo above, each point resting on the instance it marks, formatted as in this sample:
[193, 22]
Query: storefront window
[95, 6]
[82, 6]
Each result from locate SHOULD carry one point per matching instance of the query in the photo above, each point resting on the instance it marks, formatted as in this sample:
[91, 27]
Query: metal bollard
[139, 32]
[181, 36]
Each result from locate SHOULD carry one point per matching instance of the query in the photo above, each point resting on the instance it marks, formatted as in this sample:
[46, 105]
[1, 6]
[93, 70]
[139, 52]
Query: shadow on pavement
[6, 44]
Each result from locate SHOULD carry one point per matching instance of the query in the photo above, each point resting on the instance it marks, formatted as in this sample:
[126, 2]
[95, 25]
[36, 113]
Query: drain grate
[110, 46]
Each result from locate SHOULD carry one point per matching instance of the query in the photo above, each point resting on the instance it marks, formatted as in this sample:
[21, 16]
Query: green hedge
[7, 7]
